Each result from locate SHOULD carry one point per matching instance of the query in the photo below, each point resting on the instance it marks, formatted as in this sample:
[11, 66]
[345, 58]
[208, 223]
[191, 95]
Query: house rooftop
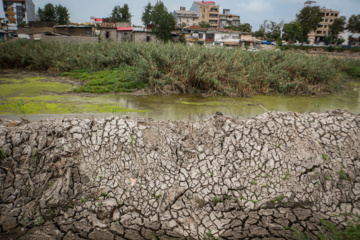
[205, 2]
[195, 27]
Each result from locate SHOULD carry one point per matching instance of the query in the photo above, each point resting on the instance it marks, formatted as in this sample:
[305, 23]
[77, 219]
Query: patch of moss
[31, 86]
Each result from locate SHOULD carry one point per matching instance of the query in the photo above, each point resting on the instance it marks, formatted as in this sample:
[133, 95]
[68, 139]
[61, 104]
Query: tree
[62, 15]
[57, 14]
[336, 27]
[121, 14]
[146, 16]
[262, 29]
[241, 28]
[309, 19]
[204, 24]
[245, 27]
[163, 20]
[273, 30]
[354, 24]
[48, 14]
[292, 31]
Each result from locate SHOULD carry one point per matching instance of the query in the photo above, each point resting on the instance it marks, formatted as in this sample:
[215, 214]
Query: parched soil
[133, 178]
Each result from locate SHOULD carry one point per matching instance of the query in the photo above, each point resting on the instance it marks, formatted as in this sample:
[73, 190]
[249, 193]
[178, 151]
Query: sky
[251, 11]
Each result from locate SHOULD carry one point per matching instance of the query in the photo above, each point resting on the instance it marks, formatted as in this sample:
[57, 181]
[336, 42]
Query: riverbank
[38, 96]
[135, 178]
[177, 68]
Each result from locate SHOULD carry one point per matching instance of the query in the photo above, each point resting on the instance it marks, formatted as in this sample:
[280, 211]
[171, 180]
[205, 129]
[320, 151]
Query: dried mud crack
[132, 178]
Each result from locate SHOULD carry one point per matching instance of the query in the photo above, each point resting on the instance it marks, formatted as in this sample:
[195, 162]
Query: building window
[327, 14]
[319, 32]
[201, 35]
[125, 33]
[336, 15]
[324, 32]
[331, 20]
[332, 14]
[326, 20]
[203, 15]
[203, 9]
[107, 35]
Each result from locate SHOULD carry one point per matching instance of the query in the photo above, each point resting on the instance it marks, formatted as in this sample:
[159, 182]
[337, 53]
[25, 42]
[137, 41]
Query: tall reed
[185, 69]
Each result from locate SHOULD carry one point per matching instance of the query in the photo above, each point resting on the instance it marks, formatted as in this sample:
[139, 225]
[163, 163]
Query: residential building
[185, 18]
[223, 37]
[18, 11]
[2, 13]
[207, 11]
[227, 19]
[142, 35]
[328, 17]
[120, 31]
[194, 34]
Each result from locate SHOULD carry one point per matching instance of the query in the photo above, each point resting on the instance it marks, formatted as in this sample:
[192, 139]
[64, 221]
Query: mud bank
[132, 178]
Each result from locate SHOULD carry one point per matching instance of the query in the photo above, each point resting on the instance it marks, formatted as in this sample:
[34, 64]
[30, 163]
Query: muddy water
[39, 97]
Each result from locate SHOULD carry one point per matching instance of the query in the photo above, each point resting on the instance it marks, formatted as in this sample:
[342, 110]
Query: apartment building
[18, 11]
[328, 17]
[207, 11]
[186, 18]
[227, 19]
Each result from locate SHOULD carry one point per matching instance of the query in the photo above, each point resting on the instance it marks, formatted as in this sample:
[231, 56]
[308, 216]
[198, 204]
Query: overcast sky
[251, 11]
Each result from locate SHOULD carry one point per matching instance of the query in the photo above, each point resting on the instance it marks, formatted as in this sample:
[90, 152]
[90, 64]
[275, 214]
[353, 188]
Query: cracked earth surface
[132, 178]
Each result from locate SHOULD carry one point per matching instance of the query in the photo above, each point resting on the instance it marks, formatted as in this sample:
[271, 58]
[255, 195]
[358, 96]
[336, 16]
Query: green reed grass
[166, 68]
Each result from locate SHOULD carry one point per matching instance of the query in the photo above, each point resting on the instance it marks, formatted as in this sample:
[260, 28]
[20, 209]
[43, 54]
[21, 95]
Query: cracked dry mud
[132, 178]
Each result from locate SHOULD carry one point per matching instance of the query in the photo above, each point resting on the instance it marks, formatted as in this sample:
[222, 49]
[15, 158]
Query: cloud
[257, 6]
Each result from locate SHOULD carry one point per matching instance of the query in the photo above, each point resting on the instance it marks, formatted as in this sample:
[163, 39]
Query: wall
[143, 37]
[112, 34]
[75, 31]
[124, 36]
[30, 11]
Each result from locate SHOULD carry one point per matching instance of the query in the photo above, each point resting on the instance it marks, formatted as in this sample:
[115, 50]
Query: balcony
[214, 16]
[214, 10]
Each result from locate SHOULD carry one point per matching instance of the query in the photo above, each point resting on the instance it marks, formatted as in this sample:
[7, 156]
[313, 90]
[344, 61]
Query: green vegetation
[122, 79]
[253, 182]
[343, 175]
[178, 68]
[352, 232]
[208, 236]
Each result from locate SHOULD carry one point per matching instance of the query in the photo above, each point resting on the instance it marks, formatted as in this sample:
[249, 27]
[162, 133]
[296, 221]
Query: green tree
[146, 16]
[292, 31]
[273, 30]
[48, 14]
[204, 24]
[309, 19]
[336, 27]
[121, 14]
[354, 24]
[163, 20]
[57, 14]
[245, 27]
[62, 15]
